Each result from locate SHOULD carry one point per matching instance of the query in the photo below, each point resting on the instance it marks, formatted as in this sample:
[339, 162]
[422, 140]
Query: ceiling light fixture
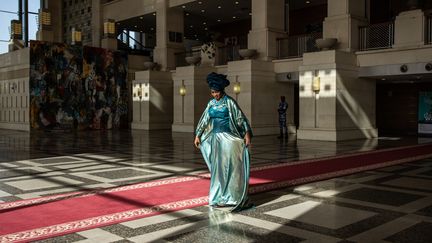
[218, 20]
[219, 6]
[307, 2]
[236, 2]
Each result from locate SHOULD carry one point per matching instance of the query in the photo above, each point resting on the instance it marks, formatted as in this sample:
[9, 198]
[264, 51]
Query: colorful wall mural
[75, 87]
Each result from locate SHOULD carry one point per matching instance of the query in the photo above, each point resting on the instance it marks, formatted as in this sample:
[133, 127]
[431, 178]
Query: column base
[109, 43]
[336, 135]
[15, 126]
[183, 127]
[45, 35]
[271, 130]
[148, 126]
[15, 44]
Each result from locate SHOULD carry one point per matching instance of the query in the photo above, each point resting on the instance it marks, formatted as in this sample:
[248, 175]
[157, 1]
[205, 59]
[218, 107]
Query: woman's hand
[247, 139]
[197, 142]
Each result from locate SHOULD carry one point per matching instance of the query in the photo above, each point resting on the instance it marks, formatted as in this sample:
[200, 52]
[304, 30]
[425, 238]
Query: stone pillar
[44, 32]
[259, 93]
[168, 20]
[109, 43]
[409, 29]
[342, 22]
[267, 25]
[152, 100]
[343, 107]
[55, 8]
[45, 35]
[97, 27]
[109, 40]
[188, 108]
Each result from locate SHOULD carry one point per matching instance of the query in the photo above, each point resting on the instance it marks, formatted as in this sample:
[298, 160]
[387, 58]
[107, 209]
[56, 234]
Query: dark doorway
[397, 107]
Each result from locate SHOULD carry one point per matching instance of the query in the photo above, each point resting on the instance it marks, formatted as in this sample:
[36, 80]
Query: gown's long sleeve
[240, 123]
[203, 123]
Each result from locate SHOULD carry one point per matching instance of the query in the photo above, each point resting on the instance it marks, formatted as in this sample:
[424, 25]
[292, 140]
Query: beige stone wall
[14, 90]
[187, 110]
[409, 29]
[344, 107]
[260, 93]
[394, 56]
[153, 110]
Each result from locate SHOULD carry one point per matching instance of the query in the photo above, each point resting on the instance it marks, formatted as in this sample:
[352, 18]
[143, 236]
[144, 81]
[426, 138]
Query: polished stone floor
[392, 204]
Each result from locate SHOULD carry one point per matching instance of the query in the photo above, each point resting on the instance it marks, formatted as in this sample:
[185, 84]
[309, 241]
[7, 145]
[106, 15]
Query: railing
[295, 46]
[133, 46]
[227, 54]
[428, 32]
[180, 57]
[377, 36]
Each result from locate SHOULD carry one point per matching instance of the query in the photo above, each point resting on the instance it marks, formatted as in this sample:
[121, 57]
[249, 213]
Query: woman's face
[216, 94]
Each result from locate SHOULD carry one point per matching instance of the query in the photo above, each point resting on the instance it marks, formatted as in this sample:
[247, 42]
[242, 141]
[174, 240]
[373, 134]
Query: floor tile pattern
[392, 204]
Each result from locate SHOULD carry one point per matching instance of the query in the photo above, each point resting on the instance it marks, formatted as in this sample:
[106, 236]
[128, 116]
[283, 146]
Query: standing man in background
[283, 106]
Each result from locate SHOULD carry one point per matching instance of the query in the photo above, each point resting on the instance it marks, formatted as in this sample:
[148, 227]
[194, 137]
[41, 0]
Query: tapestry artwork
[75, 87]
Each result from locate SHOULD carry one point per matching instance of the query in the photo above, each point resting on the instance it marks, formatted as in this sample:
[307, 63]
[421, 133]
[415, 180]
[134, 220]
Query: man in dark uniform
[283, 106]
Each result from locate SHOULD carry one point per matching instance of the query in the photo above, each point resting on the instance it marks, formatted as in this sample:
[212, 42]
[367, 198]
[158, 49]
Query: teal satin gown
[221, 129]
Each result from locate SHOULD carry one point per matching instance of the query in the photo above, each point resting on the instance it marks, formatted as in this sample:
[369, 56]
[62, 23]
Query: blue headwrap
[217, 81]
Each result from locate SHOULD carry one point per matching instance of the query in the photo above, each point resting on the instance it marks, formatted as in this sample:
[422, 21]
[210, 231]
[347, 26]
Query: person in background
[283, 106]
[223, 136]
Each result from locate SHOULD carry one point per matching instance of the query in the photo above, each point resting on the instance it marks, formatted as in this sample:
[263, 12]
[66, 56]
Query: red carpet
[62, 214]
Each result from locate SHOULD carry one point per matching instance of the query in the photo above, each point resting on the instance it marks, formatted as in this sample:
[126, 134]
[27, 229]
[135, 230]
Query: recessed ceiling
[299, 4]
[205, 14]
[145, 24]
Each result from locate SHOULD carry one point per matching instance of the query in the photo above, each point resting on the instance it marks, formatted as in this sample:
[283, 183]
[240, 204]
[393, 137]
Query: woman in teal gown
[223, 135]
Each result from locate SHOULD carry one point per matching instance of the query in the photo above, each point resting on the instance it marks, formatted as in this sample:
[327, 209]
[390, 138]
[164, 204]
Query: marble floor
[392, 204]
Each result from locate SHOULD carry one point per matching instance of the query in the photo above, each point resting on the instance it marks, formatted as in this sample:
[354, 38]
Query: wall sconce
[16, 29]
[76, 36]
[182, 90]
[316, 82]
[236, 88]
[109, 28]
[44, 19]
